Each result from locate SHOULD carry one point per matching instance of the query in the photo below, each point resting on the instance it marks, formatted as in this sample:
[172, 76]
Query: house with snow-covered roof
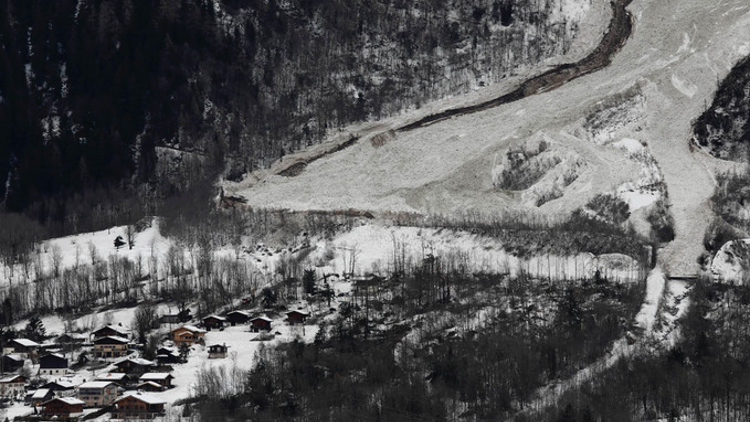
[110, 347]
[63, 407]
[134, 366]
[214, 322]
[111, 331]
[260, 323]
[97, 393]
[13, 386]
[238, 317]
[23, 347]
[187, 334]
[138, 406]
[162, 378]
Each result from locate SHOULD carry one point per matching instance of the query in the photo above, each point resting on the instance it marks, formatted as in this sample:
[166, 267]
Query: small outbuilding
[296, 317]
[260, 323]
[214, 322]
[238, 317]
[217, 351]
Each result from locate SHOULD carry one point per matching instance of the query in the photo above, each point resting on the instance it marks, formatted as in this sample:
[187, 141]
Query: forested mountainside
[100, 98]
[724, 128]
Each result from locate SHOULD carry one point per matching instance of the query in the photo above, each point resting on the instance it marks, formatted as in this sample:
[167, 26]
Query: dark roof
[53, 360]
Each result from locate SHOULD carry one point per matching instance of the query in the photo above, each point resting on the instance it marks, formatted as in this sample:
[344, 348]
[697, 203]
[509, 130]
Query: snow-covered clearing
[726, 266]
[375, 249]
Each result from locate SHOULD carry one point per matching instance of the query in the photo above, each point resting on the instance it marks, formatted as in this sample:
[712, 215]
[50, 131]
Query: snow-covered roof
[95, 384]
[111, 377]
[220, 318]
[117, 329]
[26, 342]
[150, 383]
[155, 376]
[239, 312]
[142, 397]
[137, 361]
[10, 379]
[297, 311]
[15, 358]
[262, 318]
[40, 393]
[115, 338]
[192, 328]
[57, 355]
[72, 401]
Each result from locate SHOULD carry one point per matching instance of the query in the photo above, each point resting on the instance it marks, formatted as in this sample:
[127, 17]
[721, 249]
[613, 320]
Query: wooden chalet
[61, 388]
[167, 355]
[238, 317]
[53, 364]
[150, 386]
[12, 363]
[23, 347]
[63, 407]
[111, 331]
[111, 347]
[134, 366]
[217, 351]
[296, 317]
[97, 393]
[214, 322]
[68, 339]
[138, 406]
[187, 334]
[42, 395]
[162, 378]
[13, 386]
[260, 323]
[121, 379]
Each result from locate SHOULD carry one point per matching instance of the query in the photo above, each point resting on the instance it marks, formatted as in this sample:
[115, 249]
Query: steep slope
[447, 166]
[103, 96]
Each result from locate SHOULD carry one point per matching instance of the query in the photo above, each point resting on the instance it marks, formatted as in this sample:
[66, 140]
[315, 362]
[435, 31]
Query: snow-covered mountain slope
[676, 49]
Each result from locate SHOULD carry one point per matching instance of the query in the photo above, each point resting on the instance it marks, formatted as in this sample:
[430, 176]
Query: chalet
[187, 334]
[296, 317]
[134, 366]
[63, 407]
[23, 347]
[39, 396]
[110, 347]
[167, 355]
[12, 386]
[214, 321]
[162, 378]
[238, 317]
[12, 363]
[138, 406]
[178, 318]
[217, 351]
[260, 323]
[120, 379]
[150, 386]
[61, 388]
[97, 393]
[111, 331]
[53, 364]
[69, 339]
